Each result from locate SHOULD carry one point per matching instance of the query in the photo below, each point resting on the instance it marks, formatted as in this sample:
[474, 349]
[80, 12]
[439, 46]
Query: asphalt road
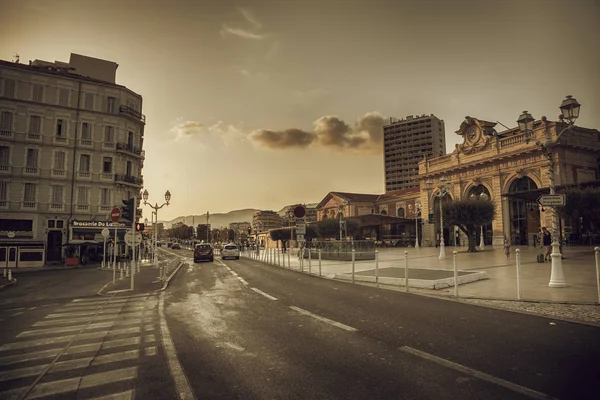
[253, 331]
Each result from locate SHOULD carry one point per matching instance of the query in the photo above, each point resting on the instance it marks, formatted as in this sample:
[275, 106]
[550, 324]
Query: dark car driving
[203, 251]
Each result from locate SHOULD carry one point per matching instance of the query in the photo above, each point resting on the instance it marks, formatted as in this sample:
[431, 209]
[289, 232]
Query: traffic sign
[115, 214]
[552, 200]
[299, 211]
[105, 233]
[300, 238]
[133, 238]
[301, 229]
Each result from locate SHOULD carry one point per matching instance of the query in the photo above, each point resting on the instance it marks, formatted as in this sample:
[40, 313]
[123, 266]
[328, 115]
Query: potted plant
[71, 256]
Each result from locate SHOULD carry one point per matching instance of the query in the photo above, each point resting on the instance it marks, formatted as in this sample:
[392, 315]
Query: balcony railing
[34, 136]
[128, 148]
[32, 170]
[6, 132]
[83, 207]
[58, 172]
[83, 174]
[107, 176]
[132, 113]
[56, 206]
[29, 204]
[128, 179]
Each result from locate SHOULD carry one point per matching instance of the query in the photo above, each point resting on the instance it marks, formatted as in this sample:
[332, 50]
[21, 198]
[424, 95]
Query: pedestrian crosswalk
[88, 348]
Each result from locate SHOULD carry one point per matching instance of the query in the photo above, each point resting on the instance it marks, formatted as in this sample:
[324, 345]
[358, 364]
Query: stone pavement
[147, 280]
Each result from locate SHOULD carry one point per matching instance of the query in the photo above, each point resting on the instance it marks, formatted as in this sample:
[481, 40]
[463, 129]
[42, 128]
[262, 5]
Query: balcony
[132, 180]
[83, 207]
[6, 133]
[107, 176]
[130, 112]
[31, 171]
[86, 143]
[60, 140]
[56, 173]
[5, 169]
[129, 149]
[84, 175]
[29, 205]
[56, 206]
[34, 136]
[108, 145]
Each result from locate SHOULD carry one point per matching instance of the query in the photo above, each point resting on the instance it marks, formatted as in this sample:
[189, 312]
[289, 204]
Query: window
[57, 194]
[51, 223]
[82, 195]
[128, 170]
[105, 197]
[35, 123]
[110, 105]
[38, 92]
[6, 122]
[30, 190]
[60, 223]
[84, 163]
[3, 190]
[59, 160]
[63, 97]
[107, 165]
[86, 131]
[89, 101]
[32, 158]
[10, 88]
[60, 128]
[109, 134]
[4, 156]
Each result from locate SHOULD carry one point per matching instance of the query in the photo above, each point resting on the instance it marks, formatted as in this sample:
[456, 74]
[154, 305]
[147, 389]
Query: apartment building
[71, 142]
[262, 221]
[406, 142]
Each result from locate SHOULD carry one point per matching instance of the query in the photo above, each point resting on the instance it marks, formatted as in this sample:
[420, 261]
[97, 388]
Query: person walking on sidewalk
[506, 248]
[547, 243]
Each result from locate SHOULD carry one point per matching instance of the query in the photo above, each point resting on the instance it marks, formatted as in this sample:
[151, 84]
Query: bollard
[126, 271]
[319, 262]
[10, 275]
[353, 260]
[518, 258]
[289, 260]
[121, 273]
[597, 251]
[406, 271]
[377, 267]
[302, 260]
[455, 274]
[5, 272]
[278, 260]
[309, 261]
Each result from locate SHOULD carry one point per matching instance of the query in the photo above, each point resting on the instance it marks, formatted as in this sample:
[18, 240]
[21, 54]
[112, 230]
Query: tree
[280, 234]
[469, 215]
[582, 203]
[353, 227]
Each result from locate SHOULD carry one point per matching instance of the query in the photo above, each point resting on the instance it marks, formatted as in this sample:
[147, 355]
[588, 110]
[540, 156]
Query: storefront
[86, 242]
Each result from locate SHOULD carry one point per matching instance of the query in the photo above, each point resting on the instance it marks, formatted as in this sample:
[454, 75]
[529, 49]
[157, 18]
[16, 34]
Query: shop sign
[98, 224]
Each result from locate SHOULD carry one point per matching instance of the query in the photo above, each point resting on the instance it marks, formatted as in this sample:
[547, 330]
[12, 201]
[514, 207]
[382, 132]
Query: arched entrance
[478, 192]
[524, 214]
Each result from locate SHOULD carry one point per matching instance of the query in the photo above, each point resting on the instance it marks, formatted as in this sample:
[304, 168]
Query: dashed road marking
[327, 320]
[268, 296]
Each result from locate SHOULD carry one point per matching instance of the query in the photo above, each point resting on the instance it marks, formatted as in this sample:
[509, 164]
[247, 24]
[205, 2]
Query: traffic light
[127, 209]
[139, 227]
[249, 230]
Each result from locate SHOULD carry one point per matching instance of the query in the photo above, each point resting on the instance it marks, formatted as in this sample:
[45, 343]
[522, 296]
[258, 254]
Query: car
[175, 246]
[203, 251]
[230, 250]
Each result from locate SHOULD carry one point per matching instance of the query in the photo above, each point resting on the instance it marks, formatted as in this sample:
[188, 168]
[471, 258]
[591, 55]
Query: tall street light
[443, 188]
[155, 209]
[417, 216]
[569, 113]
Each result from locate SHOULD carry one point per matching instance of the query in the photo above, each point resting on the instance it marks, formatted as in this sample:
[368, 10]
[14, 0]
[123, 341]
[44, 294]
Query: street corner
[147, 280]
[6, 283]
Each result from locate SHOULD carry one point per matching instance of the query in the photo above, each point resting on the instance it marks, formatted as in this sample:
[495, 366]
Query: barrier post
[10, 275]
[319, 262]
[353, 260]
[377, 267]
[455, 274]
[289, 259]
[406, 271]
[309, 260]
[518, 260]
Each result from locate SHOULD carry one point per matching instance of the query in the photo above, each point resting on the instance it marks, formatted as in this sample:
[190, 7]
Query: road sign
[299, 211]
[133, 238]
[552, 200]
[300, 238]
[301, 229]
[105, 233]
[115, 214]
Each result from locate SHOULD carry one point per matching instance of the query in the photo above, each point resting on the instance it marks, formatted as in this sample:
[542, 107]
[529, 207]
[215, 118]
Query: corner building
[71, 142]
[406, 142]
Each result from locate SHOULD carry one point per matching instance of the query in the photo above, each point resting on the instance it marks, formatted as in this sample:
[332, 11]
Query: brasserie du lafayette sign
[98, 224]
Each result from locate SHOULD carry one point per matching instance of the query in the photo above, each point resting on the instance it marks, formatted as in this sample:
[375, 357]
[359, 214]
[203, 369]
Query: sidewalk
[501, 283]
[145, 281]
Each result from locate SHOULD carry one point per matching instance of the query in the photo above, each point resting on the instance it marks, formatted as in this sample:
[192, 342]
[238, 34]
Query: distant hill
[222, 220]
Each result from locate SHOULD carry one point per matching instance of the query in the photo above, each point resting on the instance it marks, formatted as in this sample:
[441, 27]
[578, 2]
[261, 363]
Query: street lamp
[569, 113]
[155, 209]
[443, 189]
[417, 216]
[340, 210]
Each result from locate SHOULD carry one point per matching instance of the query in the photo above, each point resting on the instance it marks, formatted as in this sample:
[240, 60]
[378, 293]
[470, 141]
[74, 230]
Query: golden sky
[261, 104]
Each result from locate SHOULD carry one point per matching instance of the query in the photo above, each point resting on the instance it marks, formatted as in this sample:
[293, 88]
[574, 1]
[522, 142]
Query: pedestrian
[547, 243]
[506, 248]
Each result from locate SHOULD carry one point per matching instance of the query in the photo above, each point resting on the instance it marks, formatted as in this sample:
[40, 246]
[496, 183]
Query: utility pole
[207, 230]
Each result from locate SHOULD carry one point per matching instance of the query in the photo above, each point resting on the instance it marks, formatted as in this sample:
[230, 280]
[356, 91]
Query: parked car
[231, 251]
[203, 251]
[175, 246]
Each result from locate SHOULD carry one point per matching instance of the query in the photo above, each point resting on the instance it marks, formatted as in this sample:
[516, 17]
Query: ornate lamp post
[155, 209]
[417, 216]
[443, 188]
[569, 113]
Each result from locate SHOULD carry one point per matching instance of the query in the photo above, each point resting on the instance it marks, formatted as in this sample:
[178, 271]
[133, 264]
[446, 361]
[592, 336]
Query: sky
[262, 104]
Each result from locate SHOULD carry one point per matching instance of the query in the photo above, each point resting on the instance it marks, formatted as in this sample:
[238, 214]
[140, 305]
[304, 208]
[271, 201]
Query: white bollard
[10, 275]
[121, 273]
[353, 260]
[289, 259]
[309, 261]
[319, 262]
[597, 251]
[406, 271]
[5, 272]
[278, 259]
[518, 258]
[377, 267]
[455, 275]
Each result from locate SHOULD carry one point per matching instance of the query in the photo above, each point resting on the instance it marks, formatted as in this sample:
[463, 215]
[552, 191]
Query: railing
[5, 132]
[108, 145]
[59, 139]
[82, 174]
[129, 148]
[29, 204]
[86, 142]
[3, 203]
[32, 170]
[512, 141]
[128, 179]
[56, 206]
[132, 113]
[56, 172]
[4, 167]
[83, 207]
[107, 176]
[34, 136]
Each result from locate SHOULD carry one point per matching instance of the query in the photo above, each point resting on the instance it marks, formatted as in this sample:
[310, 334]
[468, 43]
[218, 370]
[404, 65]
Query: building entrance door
[54, 246]
[11, 260]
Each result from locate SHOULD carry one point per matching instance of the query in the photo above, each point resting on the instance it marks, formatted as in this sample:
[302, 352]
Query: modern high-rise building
[405, 142]
[264, 220]
[70, 150]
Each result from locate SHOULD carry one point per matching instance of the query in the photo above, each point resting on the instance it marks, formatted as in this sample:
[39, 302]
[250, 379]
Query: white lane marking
[182, 384]
[327, 320]
[47, 331]
[150, 351]
[15, 314]
[42, 342]
[121, 342]
[128, 395]
[18, 358]
[477, 374]
[114, 357]
[242, 280]
[21, 372]
[15, 309]
[56, 387]
[149, 338]
[268, 296]
[81, 321]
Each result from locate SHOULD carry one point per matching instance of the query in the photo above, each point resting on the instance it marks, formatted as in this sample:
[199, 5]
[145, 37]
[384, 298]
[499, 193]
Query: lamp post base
[557, 276]
[442, 250]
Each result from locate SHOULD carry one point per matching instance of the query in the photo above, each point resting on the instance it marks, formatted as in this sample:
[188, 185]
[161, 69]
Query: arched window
[383, 212]
[522, 214]
[401, 212]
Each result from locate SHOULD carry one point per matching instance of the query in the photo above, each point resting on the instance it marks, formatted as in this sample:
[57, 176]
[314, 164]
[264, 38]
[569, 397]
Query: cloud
[250, 18]
[329, 131]
[187, 128]
[273, 50]
[289, 138]
[227, 30]
[227, 134]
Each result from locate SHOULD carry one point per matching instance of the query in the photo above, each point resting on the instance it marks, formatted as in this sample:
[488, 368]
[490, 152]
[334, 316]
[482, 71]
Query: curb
[168, 280]
[9, 284]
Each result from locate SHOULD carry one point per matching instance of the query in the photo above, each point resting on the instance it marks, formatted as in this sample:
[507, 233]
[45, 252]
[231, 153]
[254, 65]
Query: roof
[400, 193]
[350, 197]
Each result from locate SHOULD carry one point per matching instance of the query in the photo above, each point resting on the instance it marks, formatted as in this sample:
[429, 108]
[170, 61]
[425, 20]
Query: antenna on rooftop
[16, 56]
